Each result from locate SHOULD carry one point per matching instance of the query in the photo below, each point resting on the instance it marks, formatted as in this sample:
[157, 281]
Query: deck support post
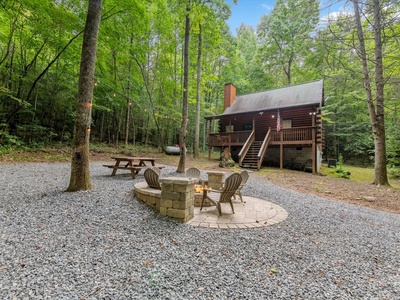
[314, 152]
[209, 131]
[281, 151]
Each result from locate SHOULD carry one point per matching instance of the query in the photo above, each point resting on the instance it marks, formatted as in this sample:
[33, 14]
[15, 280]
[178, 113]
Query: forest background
[139, 70]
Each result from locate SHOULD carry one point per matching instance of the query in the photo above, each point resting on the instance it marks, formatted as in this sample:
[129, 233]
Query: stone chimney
[229, 95]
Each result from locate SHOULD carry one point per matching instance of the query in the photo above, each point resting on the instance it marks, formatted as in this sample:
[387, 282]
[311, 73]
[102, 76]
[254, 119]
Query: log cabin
[280, 127]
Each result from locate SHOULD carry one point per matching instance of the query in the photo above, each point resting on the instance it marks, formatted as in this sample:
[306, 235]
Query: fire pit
[198, 188]
[198, 196]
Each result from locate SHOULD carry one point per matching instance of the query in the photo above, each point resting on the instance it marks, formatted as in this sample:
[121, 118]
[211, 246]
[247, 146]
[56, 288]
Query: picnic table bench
[132, 163]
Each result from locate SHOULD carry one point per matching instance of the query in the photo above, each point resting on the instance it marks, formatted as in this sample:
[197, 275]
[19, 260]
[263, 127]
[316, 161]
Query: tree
[285, 34]
[34, 42]
[211, 11]
[80, 174]
[253, 78]
[375, 106]
[185, 104]
[198, 86]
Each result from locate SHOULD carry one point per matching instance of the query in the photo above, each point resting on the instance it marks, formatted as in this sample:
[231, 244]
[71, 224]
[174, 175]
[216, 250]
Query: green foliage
[394, 171]
[394, 164]
[285, 37]
[9, 141]
[139, 61]
[35, 134]
[341, 173]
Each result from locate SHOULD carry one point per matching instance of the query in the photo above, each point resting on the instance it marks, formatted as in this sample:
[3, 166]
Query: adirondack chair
[245, 177]
[157, 170]
[192, 173]
[224, 195]
[151, 176]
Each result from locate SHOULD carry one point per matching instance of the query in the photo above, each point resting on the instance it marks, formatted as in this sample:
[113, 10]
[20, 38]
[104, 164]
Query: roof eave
[261, 110]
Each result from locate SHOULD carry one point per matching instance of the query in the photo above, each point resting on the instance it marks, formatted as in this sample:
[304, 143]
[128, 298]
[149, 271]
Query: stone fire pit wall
[177, 198]
[215, 179]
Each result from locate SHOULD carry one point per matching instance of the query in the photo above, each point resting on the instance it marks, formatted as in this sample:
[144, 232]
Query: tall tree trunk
[197, 129]
[380, 134]
[149, 89]
[127, 123]
[128, 112]
[182, 135]
[80, 174]
[147, 133]
[376, 110]
[102, 127]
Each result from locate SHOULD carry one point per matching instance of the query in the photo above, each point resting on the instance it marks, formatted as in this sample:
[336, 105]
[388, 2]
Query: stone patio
[252, 213]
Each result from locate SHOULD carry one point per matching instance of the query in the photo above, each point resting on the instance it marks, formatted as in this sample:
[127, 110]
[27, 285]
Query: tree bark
[380, 134]
[197, 129]
[376, 109]
[80, 174]
[182, 135]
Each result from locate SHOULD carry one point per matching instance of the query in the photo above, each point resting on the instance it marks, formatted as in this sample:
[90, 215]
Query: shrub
[342, 173]
[394, 171]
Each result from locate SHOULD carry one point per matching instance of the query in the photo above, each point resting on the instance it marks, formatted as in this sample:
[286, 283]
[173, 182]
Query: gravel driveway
[104, 244]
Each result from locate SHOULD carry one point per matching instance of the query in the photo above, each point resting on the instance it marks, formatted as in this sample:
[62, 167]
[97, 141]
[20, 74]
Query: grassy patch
[357, 173]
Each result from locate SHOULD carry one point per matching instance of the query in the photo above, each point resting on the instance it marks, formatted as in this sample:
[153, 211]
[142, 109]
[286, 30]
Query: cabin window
[287, 123]
[247, 126]
[229, 128]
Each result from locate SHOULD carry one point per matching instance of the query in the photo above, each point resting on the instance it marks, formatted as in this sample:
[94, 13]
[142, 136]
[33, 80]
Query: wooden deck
[291, 136]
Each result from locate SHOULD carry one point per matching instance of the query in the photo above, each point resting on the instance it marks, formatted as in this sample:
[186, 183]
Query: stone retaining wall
[148, 195]
[175, 199]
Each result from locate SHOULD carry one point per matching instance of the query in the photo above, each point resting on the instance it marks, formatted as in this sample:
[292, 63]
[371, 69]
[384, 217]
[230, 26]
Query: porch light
[273, 116]
[261, 113]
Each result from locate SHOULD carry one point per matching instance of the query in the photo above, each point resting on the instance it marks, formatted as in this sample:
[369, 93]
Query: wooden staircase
[251, 158]
[253, 152]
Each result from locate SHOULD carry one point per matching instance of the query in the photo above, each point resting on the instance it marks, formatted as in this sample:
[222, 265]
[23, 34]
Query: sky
[249, 12]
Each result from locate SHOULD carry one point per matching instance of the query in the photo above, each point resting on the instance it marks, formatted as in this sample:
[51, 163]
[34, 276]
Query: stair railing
[263, 149]
[246, 147]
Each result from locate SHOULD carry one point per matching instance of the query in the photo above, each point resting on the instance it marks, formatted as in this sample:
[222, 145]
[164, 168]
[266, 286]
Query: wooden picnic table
[132, 163]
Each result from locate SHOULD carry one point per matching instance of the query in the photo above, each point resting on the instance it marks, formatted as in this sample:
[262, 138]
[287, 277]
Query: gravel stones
[105, 244]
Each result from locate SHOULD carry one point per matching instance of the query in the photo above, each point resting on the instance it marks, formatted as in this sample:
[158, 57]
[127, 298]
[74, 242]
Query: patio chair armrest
[205, 190]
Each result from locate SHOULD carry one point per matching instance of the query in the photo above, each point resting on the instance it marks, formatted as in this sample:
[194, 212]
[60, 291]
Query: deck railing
[300, 135]
[263, 149]
[246, 147]
[292, 135]
[228, 138]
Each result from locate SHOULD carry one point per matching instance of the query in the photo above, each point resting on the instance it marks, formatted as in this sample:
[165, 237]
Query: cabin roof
[311, 93]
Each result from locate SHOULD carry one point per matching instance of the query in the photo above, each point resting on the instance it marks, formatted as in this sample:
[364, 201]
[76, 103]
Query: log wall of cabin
[300, 117]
